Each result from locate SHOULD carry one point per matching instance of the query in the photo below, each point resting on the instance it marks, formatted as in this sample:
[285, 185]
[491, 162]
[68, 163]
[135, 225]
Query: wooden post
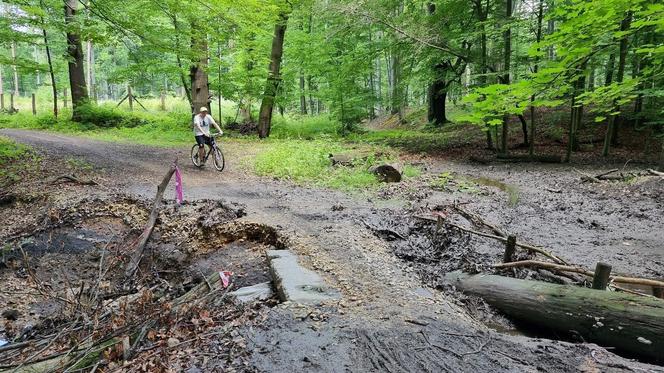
[64, 97]
[658, 292]
[163, 101]
[601, 277]
[510, 248]
[34, 105]
[130, 97]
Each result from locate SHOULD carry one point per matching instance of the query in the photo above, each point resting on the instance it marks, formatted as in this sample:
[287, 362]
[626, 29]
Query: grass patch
[308, 162]
[304, 127]
[13, 159]
[451, 182]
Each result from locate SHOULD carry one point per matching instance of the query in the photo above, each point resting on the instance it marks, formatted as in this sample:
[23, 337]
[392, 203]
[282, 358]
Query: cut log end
[386, 173]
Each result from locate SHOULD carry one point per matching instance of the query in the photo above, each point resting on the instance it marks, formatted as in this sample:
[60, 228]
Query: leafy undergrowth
[110, 124]
[308, 162]
[14, 159]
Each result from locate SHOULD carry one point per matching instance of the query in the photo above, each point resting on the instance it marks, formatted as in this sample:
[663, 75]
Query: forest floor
[394, 314]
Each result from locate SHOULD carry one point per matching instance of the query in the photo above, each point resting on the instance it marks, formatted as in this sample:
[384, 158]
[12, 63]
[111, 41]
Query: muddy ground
[394, 314]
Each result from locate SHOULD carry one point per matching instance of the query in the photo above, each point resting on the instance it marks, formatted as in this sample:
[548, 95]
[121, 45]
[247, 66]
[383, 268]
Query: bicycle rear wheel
[219, 162]
[194, 157]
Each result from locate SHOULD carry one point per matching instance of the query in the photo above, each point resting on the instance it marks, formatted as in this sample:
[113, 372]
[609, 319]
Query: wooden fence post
[130, 97]
[34, 105]
[601, 277]
[658, 292]
[510, 248]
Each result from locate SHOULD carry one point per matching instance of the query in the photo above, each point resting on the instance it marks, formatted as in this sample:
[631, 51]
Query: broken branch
[139, 245]
[580, 270]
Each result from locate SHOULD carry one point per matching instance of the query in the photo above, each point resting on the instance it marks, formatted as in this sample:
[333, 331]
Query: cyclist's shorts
[202, 140]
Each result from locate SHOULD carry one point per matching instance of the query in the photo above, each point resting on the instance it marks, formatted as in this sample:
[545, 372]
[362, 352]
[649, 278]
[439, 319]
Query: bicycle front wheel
[194, 156]
[219, 162]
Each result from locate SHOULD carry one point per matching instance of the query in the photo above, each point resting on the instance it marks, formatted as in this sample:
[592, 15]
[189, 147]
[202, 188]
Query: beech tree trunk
[200, 88]
[613, 319]
[303, 96]
[15, 70]
[437, 96]
[273, 78]
[540, 16]
[507, 36]
[79, 91]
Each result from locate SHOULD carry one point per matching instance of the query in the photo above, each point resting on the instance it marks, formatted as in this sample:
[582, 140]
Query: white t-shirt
[204, 123]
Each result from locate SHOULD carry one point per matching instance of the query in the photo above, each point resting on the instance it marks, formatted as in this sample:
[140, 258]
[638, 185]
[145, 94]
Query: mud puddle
[431, 250]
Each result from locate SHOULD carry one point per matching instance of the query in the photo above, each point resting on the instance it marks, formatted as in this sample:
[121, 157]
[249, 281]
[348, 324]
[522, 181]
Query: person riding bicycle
[202, 122]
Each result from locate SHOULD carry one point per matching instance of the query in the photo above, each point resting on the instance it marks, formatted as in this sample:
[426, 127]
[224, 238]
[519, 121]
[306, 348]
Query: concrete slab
[247, 294]
[295, 283]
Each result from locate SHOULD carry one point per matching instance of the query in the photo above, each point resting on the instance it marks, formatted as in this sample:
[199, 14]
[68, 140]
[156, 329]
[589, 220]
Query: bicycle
[219, 162]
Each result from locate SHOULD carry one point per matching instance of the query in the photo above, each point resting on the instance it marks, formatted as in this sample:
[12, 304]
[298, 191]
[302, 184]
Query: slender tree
[273, 78]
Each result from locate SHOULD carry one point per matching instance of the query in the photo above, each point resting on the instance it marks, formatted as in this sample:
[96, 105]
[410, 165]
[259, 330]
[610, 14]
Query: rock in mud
[295, 283]
[248, 294]
[10, 314]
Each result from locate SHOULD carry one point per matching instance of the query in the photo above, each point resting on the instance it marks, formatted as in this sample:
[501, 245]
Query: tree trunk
[437, 96]
[612, 128]
[507, 36]
[15, 70]
[50, 66]
[200, 87]
[79, 91]
[397, 94]
[628, 322]
[273, 78]
[303, 96]
[538, 38]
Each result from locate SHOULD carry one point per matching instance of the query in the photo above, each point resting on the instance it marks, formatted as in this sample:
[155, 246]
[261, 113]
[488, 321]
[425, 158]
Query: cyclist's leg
[200, 140]
[210, 142]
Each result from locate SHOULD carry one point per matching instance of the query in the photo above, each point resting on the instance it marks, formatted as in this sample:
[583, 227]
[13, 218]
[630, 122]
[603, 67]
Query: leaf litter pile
[67, 303]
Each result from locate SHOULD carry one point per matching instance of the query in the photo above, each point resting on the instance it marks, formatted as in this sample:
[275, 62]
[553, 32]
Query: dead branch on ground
[580, 270]
[138, 246]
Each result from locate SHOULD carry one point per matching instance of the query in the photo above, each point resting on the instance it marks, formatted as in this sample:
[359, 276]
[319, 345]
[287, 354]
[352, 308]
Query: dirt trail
[388, 320]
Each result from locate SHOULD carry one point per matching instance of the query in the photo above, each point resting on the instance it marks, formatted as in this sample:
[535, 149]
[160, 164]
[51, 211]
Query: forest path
[374, 331]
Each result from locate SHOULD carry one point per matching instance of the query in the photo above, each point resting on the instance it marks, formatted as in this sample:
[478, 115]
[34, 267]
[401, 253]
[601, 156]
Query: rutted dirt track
[388, 320]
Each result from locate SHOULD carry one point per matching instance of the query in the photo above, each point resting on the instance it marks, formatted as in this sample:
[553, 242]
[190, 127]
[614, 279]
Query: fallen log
[138, 246]
[630, 323]
[73, 179]
[580, 270]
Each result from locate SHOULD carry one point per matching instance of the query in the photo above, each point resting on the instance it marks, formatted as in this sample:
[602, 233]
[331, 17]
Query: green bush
[13, 157]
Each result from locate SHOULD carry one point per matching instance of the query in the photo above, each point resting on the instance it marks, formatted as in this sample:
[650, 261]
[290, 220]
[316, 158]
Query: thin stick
[583, 271]
[502, 239]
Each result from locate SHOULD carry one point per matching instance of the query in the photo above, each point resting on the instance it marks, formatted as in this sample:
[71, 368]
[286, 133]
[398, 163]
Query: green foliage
[13, 158]
[159, 129]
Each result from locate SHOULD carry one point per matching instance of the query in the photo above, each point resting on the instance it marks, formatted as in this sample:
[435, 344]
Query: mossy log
[630, 323]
